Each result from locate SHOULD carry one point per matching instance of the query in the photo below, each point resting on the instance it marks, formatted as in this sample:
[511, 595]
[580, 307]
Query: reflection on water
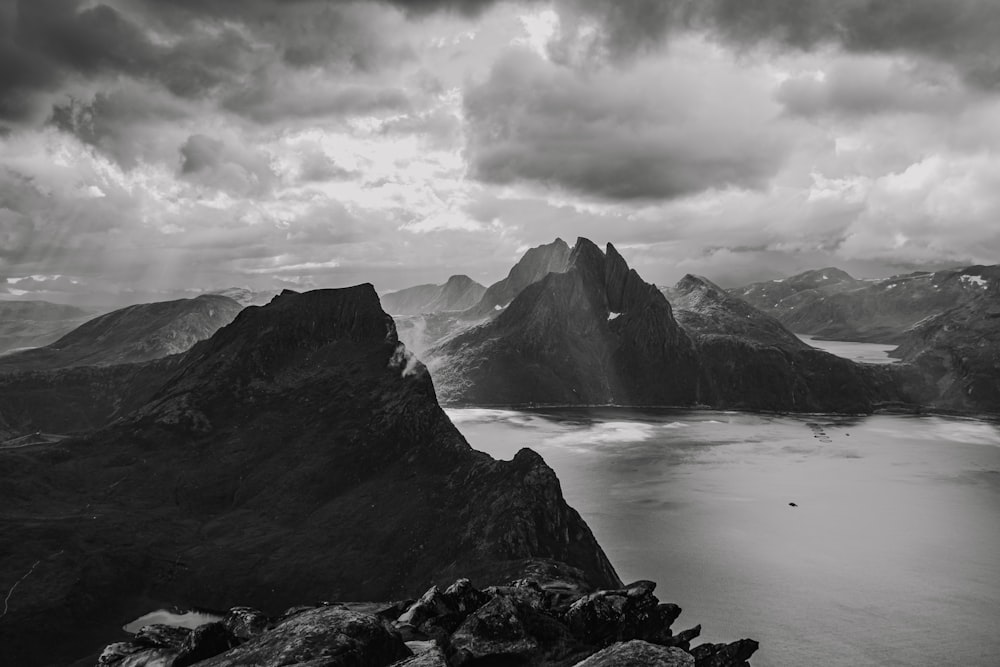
[869, 353]
[889, 558]
[187, 619]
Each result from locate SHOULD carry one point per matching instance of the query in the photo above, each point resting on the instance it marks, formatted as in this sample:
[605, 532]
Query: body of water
[891, 557]
[869, 353]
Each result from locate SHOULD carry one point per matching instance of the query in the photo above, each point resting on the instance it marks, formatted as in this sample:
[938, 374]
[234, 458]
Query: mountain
[704, 308]
[36, 323]
[958, 352]
[748, 360]
[136, 333]
[458, 293]
[536, 263]
[425, 330]
[299, 453]
[846, 309]
[595, 333]
[245, 296]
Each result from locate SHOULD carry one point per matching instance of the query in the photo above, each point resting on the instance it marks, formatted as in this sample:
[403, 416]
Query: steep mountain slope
[299, 453]
[36, 323]
[867, 311]
[136, 333]
[749, 360]
[958, 352]
[702, 307]
[594, 334]
[536, 263]
[458, 293]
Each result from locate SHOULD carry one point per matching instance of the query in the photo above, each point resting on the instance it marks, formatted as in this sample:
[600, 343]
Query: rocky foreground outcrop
[300, 452]
[522, 623]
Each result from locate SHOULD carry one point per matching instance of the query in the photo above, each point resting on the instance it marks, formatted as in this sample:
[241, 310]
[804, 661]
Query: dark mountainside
[879, 311]
[958, 352]
[458, 293]
[134, 334]
[536, 263]
[750, 361]
[36, 323]
[594, 334]
[299, 453]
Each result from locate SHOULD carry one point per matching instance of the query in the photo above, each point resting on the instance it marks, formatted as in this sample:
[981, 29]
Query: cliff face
[458, 293]
[299, 453]
[750, 361]
[533, 266]
[867, 311]
[133, 334]
[594, 334]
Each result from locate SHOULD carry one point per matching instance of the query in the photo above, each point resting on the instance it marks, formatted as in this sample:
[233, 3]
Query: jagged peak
[586, 253]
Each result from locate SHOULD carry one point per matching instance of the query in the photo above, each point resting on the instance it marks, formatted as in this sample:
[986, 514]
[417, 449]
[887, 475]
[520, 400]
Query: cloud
[665, 128]
[867, 85]
[225, 166]
[961, 33]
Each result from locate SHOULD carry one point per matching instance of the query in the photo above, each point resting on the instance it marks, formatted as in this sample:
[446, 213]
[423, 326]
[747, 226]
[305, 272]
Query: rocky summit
[595, 333]
[524, 622]
[299, 453]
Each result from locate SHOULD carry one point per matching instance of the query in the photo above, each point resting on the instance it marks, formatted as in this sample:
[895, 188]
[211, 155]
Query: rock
[113, 654]
[496, 631]
[205, 641]
[433, 657]
[161, 636]
[465, 597]
[245, 622]
[151, 657]
[328, 636]
[431, 604]
[683, 638]
[621, 615]
[637, 653]
[735, 654]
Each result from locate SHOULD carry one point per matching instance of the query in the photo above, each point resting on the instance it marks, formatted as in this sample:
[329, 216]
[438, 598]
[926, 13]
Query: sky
[155, 148]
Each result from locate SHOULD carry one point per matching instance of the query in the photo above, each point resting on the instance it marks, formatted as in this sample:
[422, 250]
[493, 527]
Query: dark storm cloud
[614, 134]
[962, 33]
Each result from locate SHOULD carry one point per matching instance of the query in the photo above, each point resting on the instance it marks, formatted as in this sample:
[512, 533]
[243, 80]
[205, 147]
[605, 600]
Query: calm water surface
[869, 353]
[892, 556]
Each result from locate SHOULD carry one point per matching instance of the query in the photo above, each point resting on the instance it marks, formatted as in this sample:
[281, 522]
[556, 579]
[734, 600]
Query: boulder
[496, 630]
[683, 638]
[205, 641]
[637, 653]
[159, 635]
[328, 636]
[633, 612]
[735, 654]
[434, 657]
[245, 622]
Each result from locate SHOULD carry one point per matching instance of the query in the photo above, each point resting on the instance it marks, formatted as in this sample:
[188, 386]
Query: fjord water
[869, 353]
[891, 557]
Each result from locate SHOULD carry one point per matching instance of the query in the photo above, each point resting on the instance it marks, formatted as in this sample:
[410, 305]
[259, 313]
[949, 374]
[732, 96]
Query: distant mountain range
[831, 304]
[36, 323]
[135, 333]
[298, 452]
[458, 293]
